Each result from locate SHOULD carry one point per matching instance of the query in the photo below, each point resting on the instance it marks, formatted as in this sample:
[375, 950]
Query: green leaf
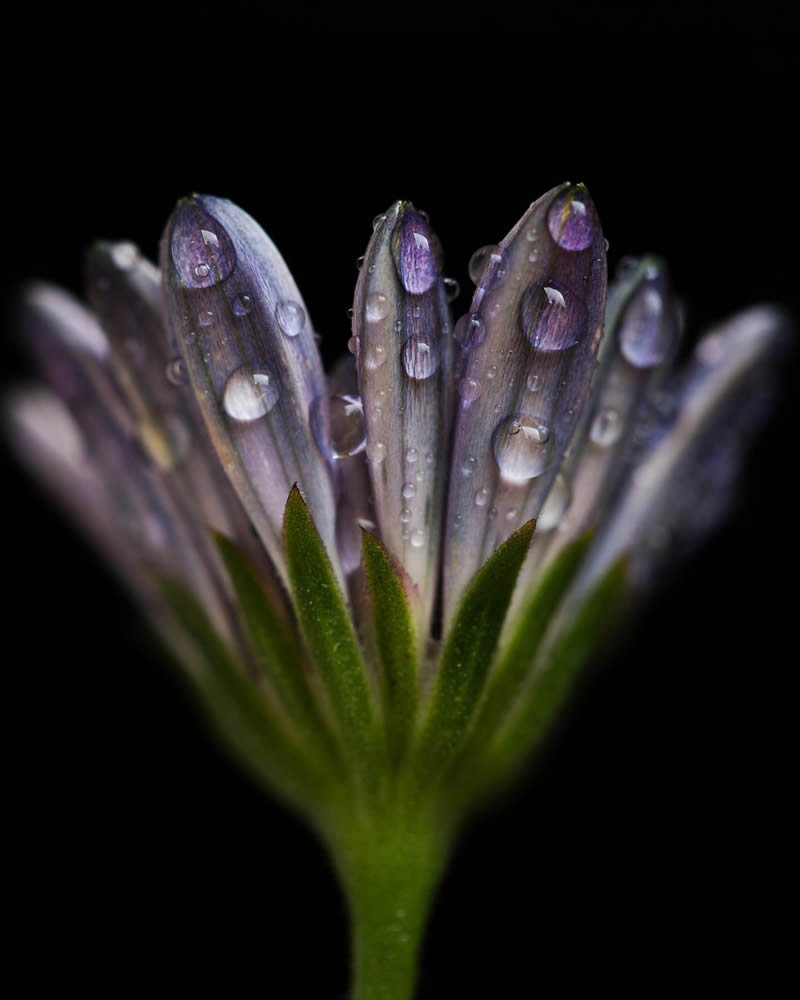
[330, 638]
[561, 662]
[395, 642]
[468, 651]
[244, 720]
[276, 650]
[508, 674]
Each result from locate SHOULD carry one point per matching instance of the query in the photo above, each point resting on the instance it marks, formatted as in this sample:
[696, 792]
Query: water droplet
[409, 491]
[124, 255]
[205, 317]
[420, 476]
[377, 307]
[177, 372]
[241, 305]
[352, 345]
[492, 372]
[416, 252]
[360, 262]
[452, 289]
[421, 356]
[532, 236]
[482, 260]
[411, 455]
[558, 499]
[202, 251]
[606, 427]
[405, 515]
[570, 220]
[376, 452]
[291, 317]
[482, 498]
[533, 383]
[377, 221]
[374, 356]
[249, 394]
[468, 466]
[469, 389]
[551, 316]
[202, 270]
[340, 432]
[647, 332]
[492, 513]
[470, 330]
[512, 514]
[417, 540]
[522, 447]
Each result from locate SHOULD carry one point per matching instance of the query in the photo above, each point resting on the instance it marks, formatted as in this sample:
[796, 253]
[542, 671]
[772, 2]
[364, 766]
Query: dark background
[650, 846]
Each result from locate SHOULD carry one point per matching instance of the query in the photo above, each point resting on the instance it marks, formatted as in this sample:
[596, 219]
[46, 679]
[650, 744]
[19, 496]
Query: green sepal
[585, 634]
[468, 650]
[330, 638]
[394, 641]
[508, 674]
[241, 716]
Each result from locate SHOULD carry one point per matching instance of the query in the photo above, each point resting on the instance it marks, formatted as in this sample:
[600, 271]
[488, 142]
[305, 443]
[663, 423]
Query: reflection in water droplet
[409, 491]
[570, 220]
[202, 270]
[421, 356]
[469, 331]
[377, 307]
[249, 394]
[177, 372]
[241, 305]
[417, 539]
[344, 432]
[469, 389]
[291, 317]
[647, 332]
[558, 499]
[606, 427]
[522, 447]
[551, 316]
[376, 452]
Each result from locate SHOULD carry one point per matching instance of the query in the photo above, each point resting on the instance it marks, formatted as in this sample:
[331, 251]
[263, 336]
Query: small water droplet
[177, 372]
[377, 221]
[452, 289]
[411, 455]
[375, 356]
[352, 345]
[291, 317]
[376, 307]
[492, 372]
[420, 476]
[522, 447]
[606, 427]
[376, 452]
[555, 506]
[405, 515]
[241, 305]
[468, 466]
[551, 316]
[482, 498]
[647, 331]
[417, 541]
[205, 317]
[341, 431]
[570, 220]
[360, 262]
[469, 331]
[512, 514]
[421, 356]
[202, 270]
[482, 260]
[469, 389]
[533, 383]
[249, 394]
[409, 491]
[532, 236]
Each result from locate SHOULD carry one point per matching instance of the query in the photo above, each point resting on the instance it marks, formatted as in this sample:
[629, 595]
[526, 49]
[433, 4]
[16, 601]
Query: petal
[530, 344]
[248, 345]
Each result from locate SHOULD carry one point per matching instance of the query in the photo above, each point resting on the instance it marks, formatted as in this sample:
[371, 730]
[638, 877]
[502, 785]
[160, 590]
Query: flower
[409, 558]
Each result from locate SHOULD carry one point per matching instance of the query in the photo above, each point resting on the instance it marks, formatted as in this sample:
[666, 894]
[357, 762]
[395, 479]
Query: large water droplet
[551, 316]
[201, 249]
[416, 252]
[606, 427]
[570, 220]
[482, 260]
[522, 447]
[555, 505]
[647, 332]
[250, 394]
[469, 330]
[344, 434]
[376, 452]
[421, 356]
[291, 317]
[377, 307]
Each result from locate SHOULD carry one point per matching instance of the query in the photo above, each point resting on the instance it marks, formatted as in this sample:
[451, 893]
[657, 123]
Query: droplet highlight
[551, 316]
[291, 317]
[250, 394]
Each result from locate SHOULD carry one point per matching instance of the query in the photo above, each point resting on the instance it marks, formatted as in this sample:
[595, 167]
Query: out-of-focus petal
[403, 347]
[530, 344]
[247, 342]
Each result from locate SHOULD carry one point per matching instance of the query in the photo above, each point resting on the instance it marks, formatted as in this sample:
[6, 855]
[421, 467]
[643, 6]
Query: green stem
[389, 868]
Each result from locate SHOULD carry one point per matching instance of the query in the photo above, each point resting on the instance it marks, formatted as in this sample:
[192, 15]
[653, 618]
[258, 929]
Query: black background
[649, 848]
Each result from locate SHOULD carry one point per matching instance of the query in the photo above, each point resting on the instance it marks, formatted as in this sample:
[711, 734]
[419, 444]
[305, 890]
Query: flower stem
[389, 869]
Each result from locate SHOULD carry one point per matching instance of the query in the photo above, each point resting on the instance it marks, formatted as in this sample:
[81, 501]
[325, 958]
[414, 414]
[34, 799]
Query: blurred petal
[530, 345]
[243, 333]
[403, 348]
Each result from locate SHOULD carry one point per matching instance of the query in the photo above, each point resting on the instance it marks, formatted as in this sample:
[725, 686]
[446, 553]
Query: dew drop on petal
[205, 317]
[177, 372]
[249, 394]
[646, 333]
[421, 356]
[469, 331]
[376, 452]
[378, 220]
[374, 356]
[409, 491]
[570, 220]
[469, 389]
[533, 383]
[482, 498]
[346, 430]
[291, 317]
[522, 447]
[405, 515]
[377, 307]
[558, 499]
[468, 465]
[411, 455]
[241, 305]
[484, 258]
[417, 539]
[551, 316]
[606, 427]
[201, 249]
[452, 289]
